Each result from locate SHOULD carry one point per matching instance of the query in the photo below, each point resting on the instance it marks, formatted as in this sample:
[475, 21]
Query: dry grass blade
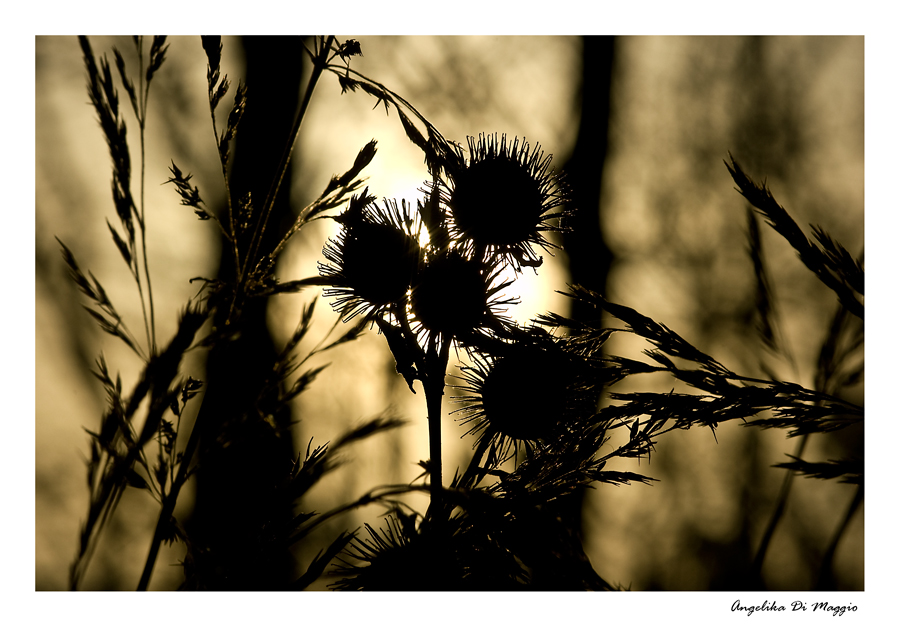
[363, 158]
[850, 470]
[294, 287]
[379, 424]
[322, 559]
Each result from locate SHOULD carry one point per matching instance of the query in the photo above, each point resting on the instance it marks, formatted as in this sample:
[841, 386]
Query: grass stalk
[319, 64]
[168, 505]
[759, 558]
[142, 123]
[826, 575]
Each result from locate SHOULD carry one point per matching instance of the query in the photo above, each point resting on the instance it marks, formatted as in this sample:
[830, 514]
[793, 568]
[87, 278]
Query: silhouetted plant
[536, 398]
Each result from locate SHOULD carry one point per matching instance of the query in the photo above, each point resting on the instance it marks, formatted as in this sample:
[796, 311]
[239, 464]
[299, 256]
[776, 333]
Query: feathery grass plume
[728, 395]
[120, 455]
[190, 197]
[190, 194]
[834, 266]
[254, 267]
[158, 49]
[840, 261]
[107, 317]
[231, 124]
[843, 274]
[212, 46]
[849, 470]
[765, 299]
[333, 196]
[104, 98]
[117, 471]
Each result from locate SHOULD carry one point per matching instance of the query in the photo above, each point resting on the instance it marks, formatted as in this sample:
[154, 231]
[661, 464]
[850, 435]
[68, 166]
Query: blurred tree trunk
[589, 257]
[245, 452]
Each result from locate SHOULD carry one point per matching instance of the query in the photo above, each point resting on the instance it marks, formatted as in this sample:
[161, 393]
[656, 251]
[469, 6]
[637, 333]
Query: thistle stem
[434, 395]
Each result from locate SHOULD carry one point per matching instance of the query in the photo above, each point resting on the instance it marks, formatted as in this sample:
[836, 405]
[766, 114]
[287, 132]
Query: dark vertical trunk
[589, 257]
[247, 449]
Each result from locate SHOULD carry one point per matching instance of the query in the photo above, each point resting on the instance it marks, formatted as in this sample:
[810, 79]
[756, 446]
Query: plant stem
[168, 506]
[152, 339]
[319, 65]
[472, 469]
[230, 235]
[826, 576]
[756, 568]
[434, 395]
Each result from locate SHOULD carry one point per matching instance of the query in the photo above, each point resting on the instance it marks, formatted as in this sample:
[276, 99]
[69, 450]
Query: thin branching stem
[373, 496]
[143, 95]
[168, 505]
[232, 236]
[340, 69]
[142, 124]
[759, 558]
[824, 386]
[319, 65]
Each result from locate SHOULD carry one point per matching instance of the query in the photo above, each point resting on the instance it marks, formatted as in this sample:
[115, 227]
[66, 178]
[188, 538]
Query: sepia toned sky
[790, 110]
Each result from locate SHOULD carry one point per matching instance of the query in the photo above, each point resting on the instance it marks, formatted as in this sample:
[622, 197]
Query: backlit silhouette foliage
[539, 401]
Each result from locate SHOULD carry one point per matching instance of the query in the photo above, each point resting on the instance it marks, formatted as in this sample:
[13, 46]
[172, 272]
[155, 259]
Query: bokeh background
[654, 117]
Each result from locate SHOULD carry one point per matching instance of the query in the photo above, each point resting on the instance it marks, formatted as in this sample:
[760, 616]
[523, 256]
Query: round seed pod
[497, 202]
[523, 400]
[373, 260]
[450, 296]
[379, 262]
[503, 199]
